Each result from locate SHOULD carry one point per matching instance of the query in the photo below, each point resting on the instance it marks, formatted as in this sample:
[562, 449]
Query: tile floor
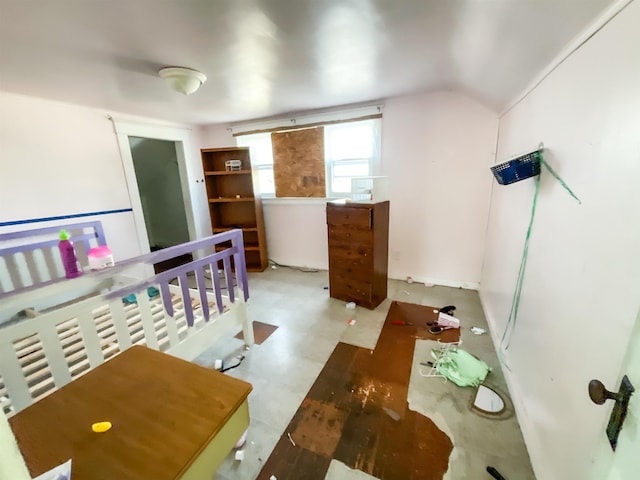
[310, 323]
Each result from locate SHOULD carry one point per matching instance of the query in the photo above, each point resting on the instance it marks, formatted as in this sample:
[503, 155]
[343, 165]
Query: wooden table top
[164, 411]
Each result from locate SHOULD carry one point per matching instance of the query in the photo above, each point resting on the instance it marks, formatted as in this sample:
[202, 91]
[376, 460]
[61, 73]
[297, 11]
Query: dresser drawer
[350, 290]
[354, 217]
[349, 236]
[351, 252]
[354, 269]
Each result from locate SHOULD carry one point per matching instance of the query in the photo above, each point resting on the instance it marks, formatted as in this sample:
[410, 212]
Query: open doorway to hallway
[158, 178]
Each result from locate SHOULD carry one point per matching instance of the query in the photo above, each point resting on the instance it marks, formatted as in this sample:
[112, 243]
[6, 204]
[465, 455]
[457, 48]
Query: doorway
[188, 186]
[155, 163]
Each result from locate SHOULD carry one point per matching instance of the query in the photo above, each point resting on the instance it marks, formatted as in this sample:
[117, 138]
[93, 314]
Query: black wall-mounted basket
[520, 168]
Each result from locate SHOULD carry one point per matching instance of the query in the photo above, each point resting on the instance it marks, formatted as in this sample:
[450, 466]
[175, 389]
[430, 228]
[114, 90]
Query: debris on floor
[350, 306]
[445, 320]
[241, 441]
[240, 358]
[459, 366]
[401, 322]
[351, 321]
[495, 474]
[291, 439]
[392, 413]
[478, 331]
[448, 309]
[239, 455]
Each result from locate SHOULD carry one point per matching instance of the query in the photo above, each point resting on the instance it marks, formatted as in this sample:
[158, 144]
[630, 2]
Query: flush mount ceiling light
[183, 80]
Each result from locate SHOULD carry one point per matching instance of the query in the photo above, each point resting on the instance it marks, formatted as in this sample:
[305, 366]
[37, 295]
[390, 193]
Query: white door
[191, 176]
[624, 463]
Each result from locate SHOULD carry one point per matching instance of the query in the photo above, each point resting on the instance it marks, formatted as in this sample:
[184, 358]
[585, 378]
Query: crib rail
[181, 311]
[197, 267]
[31, 257]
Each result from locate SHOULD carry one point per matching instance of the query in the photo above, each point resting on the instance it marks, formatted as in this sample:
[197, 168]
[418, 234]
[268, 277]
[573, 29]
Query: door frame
[181, 136]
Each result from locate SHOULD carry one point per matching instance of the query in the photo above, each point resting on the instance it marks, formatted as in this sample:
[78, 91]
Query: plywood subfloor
[357, 411]
[261, 331]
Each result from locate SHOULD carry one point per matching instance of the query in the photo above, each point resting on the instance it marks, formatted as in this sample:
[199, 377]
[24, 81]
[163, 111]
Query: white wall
[436, 149]
[580, 295]
[61, 159]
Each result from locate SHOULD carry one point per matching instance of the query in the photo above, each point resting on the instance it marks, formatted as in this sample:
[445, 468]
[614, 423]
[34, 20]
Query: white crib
[69, 327]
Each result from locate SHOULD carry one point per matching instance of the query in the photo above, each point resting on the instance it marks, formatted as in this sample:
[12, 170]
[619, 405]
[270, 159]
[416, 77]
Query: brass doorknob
[599, 394]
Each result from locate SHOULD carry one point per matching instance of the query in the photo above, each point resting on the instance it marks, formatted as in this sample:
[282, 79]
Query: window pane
[260, 145]
[341, 185]
[349, 140]
[351, 169]
[266, 184]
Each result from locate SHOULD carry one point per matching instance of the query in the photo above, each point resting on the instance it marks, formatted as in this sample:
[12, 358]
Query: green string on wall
[515, 302]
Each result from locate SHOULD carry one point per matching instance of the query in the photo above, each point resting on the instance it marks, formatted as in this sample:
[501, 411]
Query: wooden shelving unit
[233, 202]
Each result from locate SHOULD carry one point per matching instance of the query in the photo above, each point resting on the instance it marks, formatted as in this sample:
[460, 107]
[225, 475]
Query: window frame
[330, 164]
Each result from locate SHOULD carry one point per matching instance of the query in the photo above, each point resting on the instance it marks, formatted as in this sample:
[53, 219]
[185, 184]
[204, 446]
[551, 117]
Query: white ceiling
[268, 57]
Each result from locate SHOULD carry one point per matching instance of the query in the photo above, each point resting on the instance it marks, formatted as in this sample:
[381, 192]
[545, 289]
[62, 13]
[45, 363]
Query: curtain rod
[300, 126]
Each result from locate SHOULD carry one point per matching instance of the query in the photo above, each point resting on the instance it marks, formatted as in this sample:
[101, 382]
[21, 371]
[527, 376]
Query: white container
[369, 189]
[100, 258]
[233, 165]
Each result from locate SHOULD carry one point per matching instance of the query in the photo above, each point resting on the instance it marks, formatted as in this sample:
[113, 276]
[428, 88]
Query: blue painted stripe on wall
[64, 217]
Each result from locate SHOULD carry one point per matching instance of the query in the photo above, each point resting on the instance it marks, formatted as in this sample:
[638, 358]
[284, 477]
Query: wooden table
[171, 419]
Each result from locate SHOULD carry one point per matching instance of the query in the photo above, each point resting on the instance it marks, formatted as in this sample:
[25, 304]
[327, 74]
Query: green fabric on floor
[459, 366]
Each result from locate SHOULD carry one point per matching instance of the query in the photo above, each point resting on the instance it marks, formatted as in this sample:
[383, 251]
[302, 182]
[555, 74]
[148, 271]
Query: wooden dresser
[358, 251]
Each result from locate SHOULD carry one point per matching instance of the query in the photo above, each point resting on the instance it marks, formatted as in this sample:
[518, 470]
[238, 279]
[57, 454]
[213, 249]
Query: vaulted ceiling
[266, 57]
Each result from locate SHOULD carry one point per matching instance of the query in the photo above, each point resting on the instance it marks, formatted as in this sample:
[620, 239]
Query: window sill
[297, 200]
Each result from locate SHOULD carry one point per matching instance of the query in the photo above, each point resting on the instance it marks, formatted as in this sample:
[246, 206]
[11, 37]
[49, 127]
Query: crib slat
[120, 322]
[52, 263]
[172, 328]
[186, 298]
[202, 288]
[147, 320]
[13, 378]
[166, 298]
[32, 268]
[14, 272]
[215, 278]
[89, 333]
[55, 355]
[229, 277]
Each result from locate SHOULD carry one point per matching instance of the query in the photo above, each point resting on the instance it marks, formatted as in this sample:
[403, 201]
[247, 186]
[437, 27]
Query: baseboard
[444, 283]
[517, 398]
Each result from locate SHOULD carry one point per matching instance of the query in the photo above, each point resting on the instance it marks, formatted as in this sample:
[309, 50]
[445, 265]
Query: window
[261, 160]
[351, 149]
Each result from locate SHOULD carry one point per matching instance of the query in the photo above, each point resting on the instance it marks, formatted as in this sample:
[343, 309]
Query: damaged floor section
[285, 367]
[356, 412]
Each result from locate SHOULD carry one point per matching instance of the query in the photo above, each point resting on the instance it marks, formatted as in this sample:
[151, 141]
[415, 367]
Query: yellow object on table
[101, 427]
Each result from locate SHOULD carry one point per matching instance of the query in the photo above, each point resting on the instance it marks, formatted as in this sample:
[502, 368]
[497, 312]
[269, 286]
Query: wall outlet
[395, 255]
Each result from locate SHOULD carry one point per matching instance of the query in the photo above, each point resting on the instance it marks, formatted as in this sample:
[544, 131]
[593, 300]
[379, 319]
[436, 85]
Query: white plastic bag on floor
[445, 320]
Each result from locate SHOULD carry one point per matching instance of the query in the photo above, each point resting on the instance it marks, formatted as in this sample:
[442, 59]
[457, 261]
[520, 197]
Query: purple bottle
[68, 254]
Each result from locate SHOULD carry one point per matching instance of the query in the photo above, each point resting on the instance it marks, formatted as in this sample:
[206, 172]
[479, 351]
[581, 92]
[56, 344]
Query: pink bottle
[68, 254]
